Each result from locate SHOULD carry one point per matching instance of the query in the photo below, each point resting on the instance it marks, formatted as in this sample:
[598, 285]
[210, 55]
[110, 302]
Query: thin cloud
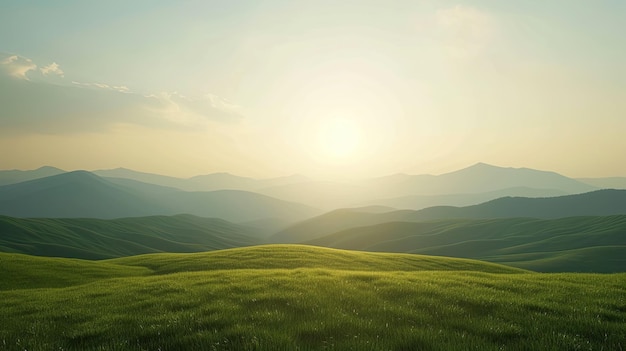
[465, 31]
[119, 88]
[18, 66]
[76, 107]
[52, 68]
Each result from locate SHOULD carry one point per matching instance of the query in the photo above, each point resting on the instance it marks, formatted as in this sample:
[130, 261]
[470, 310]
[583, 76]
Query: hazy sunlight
[339, 138]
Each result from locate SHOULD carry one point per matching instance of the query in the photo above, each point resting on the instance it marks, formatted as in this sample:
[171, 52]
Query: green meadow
[286, 297]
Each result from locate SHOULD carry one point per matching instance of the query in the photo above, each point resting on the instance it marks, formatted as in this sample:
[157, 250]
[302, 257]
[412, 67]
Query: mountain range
[595, 203]
[525, 218]
[472, 185]
[84, 194]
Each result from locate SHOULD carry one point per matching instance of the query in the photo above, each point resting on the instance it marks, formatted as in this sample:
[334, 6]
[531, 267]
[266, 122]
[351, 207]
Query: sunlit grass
[320, 308]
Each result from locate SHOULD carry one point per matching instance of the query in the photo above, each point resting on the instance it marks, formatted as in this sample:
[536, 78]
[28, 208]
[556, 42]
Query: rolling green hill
[296, 297]
[98, 238]
[30, 272]
[302, 256]
[595, 203]
[574, 244]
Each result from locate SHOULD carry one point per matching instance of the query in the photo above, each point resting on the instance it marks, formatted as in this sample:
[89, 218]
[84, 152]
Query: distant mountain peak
[49, 168]
[485, 166]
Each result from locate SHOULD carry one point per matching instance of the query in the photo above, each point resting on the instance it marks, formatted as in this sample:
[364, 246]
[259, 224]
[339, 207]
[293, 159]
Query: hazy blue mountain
[596, 203]
[418, 202]
[75, 194]
[606, 183]
[479, 178]
[98, 238]
[207, 182]
[83, 194]
[237, 206]
[467, 186]
[141, 187]
[373, 209]
[222, 181]
[157, 179]
[18, 176]
[471, 185]
[322, 194]
[574, 244]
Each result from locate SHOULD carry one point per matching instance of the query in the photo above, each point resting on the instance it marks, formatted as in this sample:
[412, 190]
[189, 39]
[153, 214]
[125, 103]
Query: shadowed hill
[83, 194]
[75, 194]
[97, 238]
[418, 202]
[596, 203]
[585, 244]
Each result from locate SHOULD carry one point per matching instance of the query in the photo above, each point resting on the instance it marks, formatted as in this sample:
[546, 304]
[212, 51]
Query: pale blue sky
[248, 87]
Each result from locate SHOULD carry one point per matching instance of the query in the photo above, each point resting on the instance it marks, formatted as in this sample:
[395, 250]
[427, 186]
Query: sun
[339, 138]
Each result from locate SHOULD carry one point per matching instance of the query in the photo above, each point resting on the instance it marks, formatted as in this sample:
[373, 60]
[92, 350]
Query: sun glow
[339, 138]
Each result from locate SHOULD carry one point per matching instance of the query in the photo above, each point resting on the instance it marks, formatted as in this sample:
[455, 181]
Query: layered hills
[573, 244]
[90, 238]
[83, 194]
[595, 203]
[468, 186]
[81, 214]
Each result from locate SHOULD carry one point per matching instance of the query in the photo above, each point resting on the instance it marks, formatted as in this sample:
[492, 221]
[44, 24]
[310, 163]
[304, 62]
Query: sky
[322, 88]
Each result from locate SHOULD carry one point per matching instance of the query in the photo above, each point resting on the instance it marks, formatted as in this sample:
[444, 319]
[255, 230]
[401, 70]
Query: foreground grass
[320, 308]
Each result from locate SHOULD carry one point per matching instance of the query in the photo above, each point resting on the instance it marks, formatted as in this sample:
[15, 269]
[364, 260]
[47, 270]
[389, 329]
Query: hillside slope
[304, 256]
[81, 194]
[97, 238]
[541, 245]
[595, 203]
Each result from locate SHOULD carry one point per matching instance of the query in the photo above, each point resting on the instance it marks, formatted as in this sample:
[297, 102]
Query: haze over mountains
[17, 176]
[84, 194]
[521, 217]
[467, 186]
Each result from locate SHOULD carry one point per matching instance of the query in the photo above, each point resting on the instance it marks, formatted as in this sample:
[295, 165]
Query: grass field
[283, 297]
